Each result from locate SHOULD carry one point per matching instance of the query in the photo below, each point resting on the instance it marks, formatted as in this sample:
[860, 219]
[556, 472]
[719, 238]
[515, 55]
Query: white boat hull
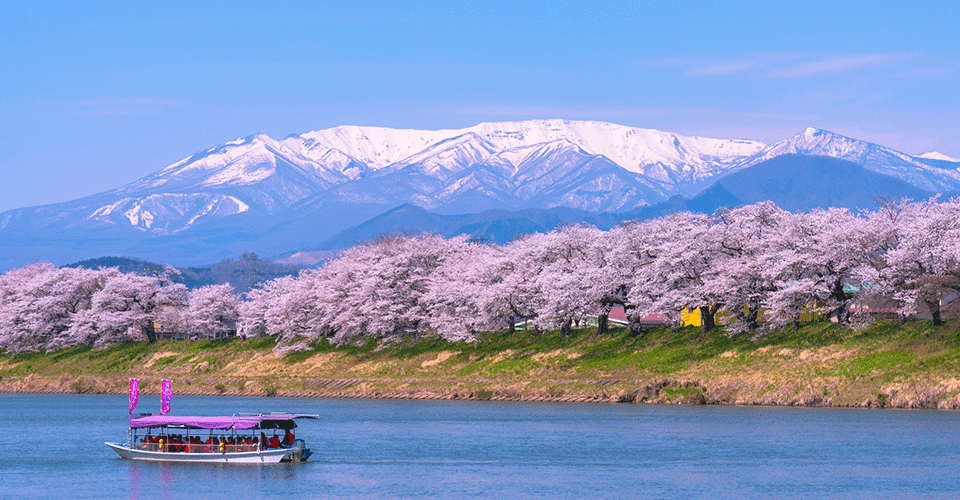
[269, 456]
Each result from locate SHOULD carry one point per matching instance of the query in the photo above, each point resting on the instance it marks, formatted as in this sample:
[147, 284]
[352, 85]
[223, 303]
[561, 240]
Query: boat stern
[298, 452]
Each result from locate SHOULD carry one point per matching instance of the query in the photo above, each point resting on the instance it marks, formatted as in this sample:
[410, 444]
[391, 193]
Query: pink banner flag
[134, 393]
[165, 394]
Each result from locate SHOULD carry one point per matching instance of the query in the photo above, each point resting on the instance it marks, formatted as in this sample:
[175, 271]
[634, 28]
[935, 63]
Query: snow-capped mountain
[933, 155]
[544, 163]
[265, 194]
[928, 173]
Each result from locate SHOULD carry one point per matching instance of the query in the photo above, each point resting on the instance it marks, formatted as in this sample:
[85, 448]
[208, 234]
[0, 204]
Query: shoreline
[109, 386]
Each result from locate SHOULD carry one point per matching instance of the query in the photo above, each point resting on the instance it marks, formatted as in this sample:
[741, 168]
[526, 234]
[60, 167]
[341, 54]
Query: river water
[51, 446]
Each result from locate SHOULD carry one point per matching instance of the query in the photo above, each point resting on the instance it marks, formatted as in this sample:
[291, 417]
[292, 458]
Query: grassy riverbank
[885, 365]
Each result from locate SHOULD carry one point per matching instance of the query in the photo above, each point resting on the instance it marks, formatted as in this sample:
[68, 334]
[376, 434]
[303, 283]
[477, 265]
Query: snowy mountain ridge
[348, 152]
[931, 174]
[934, 155]
[496, 165]
[641, 151]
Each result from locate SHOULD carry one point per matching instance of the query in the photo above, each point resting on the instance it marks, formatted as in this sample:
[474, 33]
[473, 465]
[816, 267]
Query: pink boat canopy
[239, 421]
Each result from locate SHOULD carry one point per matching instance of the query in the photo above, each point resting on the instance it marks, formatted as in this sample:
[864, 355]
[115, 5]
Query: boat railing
[175, 447]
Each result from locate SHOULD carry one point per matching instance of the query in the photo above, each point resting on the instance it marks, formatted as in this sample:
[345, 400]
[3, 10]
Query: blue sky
[96, 95]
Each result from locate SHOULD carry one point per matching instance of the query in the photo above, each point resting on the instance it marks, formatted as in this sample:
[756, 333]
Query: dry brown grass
[441, 357]
[157, 356]
[883, 368]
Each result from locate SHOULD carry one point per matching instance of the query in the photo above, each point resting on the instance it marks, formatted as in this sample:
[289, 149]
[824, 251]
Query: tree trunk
[751, 317]
[934, 306]
[843, 303]
[602, 324]
[566, 328]
[636, 328]
[150, 332]
[708, 319]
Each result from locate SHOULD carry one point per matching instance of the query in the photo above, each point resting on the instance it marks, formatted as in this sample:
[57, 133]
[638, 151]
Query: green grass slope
[883, 365]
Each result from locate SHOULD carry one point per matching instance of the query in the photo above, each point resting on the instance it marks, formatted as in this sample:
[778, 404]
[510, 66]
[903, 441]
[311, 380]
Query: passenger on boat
[287, 438]
[263, 441]
[274, 441]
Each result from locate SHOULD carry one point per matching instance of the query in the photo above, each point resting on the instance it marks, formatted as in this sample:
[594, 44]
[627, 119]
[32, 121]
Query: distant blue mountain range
[793, 182]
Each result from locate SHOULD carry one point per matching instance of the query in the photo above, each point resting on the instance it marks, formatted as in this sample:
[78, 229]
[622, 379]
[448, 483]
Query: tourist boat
[238, 439]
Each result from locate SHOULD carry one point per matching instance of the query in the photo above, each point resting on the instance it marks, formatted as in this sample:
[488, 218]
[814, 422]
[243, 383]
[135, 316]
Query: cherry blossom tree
[265, 310]
[37, 303]
[578, 276]
[632, 246]
[604, 276]
[391, 278]
[797, 287]
[840, 244]
[20, 315]
[923, 265]
[511, 288]
[212, 311]
[455, 296]
[562, 255]
[741, 245]
[380, 288]
[680, 256]
[126, 309]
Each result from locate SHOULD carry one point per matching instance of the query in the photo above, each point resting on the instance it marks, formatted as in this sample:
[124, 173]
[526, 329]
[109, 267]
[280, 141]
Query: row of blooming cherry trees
[762, 266]
[759, 266]
[46, 307]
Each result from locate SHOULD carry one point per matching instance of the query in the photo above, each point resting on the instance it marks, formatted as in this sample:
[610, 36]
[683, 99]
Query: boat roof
[236, 421]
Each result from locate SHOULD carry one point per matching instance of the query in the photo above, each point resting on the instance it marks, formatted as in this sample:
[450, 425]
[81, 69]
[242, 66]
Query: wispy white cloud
[792, 65]
[742, 65]
[941, 70]
[839, 64]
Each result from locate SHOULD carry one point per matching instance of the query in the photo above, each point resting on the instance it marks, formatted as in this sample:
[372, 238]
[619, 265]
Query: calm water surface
[52, 446]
